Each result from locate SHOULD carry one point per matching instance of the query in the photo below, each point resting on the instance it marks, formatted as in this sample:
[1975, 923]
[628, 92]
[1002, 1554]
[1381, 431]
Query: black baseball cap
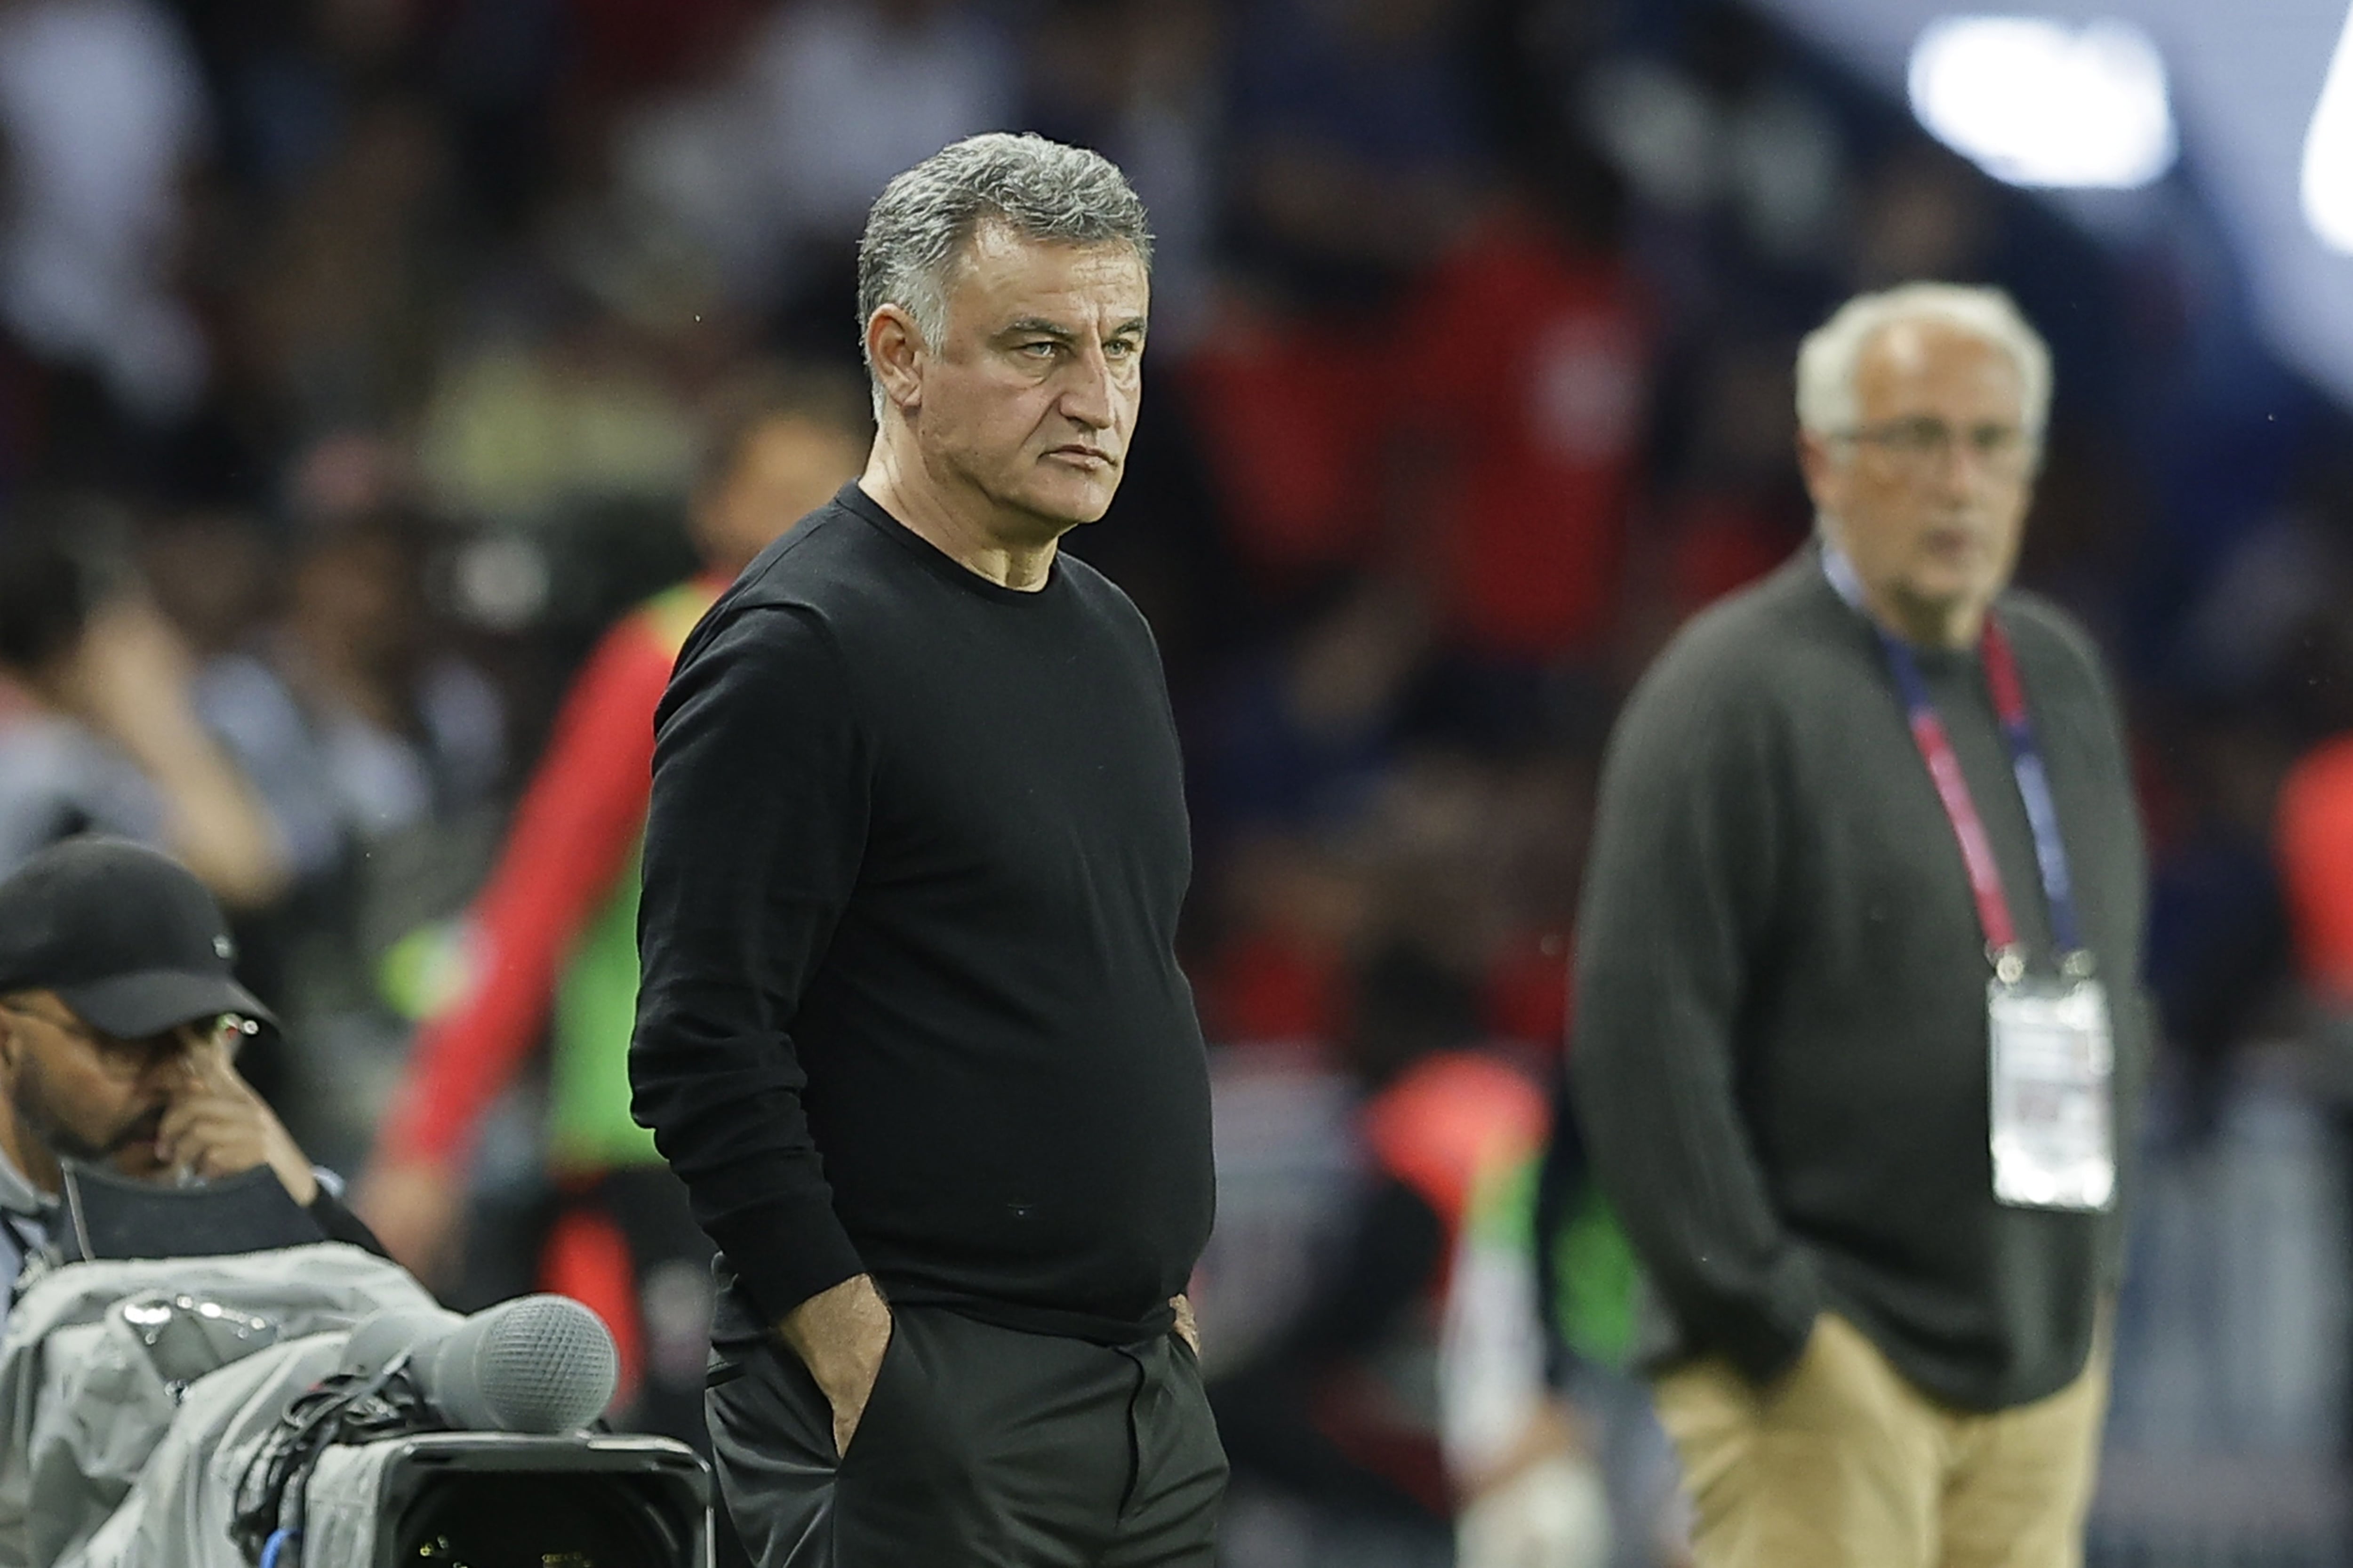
[125, 934]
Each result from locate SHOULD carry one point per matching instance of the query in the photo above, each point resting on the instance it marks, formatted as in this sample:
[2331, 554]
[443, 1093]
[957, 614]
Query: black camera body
[485, 1499]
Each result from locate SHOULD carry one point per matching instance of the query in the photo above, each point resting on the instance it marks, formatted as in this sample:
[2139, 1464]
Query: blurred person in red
[2311, 830]
[98, 726]
[551, 940]
[1861, 1025]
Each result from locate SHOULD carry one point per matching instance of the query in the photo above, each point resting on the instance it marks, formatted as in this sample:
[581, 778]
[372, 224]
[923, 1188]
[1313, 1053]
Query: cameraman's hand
[217, 1126]
[841, 1334]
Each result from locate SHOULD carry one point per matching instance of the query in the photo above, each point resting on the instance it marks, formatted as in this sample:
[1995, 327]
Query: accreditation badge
[2053, 1112]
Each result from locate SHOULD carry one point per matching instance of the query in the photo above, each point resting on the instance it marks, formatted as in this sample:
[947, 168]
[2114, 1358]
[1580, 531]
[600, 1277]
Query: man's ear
[1819, 463]
[895, 346]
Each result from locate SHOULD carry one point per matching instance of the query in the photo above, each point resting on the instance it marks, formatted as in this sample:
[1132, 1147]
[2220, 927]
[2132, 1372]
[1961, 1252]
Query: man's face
[1031, 398]
[82, 1095]
[789, 466]
[1927, 495]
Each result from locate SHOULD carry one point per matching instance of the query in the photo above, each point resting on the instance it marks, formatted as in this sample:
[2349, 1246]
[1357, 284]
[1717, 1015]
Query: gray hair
[1829, 356]
[920, 225]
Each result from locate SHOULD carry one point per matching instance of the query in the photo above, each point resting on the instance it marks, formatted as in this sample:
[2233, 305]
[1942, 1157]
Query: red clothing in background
[2315, 836]
[573, 837]
[1486, 428]
[1529, 362]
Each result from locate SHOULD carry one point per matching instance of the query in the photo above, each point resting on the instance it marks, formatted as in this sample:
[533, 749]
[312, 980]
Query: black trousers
[982, 1447]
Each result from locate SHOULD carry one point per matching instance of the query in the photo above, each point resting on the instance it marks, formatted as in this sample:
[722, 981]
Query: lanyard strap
[1935, 745]
[2033, 789]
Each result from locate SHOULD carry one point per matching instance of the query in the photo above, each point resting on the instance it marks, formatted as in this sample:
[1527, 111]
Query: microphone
[380, 1336]
[537, 1364]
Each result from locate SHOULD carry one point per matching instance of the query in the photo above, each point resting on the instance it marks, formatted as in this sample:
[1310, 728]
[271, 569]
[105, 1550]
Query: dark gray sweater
[1780, 1053]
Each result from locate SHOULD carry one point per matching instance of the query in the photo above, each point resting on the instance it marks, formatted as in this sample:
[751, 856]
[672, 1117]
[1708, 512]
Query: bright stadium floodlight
[2328, 152]
[2038, 102]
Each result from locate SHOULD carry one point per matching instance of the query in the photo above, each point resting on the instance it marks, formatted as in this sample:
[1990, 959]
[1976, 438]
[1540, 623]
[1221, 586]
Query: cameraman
[120, 1019]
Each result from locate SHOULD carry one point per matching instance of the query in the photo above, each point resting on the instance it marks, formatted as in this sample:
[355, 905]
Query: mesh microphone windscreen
[537, 1364]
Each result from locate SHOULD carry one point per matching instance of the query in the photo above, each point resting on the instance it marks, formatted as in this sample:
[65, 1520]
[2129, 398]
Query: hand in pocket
[840, 1335]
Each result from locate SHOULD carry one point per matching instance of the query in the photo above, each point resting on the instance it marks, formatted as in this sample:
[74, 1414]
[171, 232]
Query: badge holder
[2051, 1062]
[2051, 1067]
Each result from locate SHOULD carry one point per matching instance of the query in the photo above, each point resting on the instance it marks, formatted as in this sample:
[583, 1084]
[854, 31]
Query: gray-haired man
[911, 1028]
[1860, 1024]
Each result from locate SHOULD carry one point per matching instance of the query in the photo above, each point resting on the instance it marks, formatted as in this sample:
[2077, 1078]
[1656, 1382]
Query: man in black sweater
[1860, 1024]
[911, 1028]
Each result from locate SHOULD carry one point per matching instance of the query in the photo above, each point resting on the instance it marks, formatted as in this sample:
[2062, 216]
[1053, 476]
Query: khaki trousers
[1841, 1463]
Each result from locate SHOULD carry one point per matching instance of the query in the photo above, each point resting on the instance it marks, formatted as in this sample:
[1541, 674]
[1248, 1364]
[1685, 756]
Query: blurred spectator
[1525, 363]
[551, 943]
[98, 727]
[1725, 124]
[378, 753]
[1137, 81]
[1292, 913]
[103, 114]
[1358, 150]
[2312, 839]
[770, 169]
[1924, 214]
[529, 427]
[843, 94]
[340, 302]
[1298, 742]
[1358, 160]
[1479, 434]
[2219, 940]
[1408, 1389]
[1727, 508]
[213, 574]
[354, 724]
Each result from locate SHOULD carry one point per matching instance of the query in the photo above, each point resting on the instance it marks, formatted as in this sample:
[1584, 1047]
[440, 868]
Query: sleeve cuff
[1763, 1357]
[339, 1224]
[783, 1253]
[1768, 1344]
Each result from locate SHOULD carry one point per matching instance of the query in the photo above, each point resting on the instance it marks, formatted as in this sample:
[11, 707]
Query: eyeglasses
[1926, 443]
[130, 1058]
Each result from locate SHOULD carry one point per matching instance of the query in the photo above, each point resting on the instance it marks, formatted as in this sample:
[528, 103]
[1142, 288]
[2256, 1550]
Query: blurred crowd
[358, 358]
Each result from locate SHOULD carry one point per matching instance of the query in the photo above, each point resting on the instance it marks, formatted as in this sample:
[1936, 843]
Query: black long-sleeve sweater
[1780, 1051]
[910, 1003]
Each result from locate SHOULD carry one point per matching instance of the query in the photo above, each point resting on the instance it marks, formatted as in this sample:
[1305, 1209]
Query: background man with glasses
[119, 1019]
[1859, 1030]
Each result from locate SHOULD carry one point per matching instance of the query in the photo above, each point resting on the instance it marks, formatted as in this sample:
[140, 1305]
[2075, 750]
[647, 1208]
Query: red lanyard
[1960, 808]
[1944, 764]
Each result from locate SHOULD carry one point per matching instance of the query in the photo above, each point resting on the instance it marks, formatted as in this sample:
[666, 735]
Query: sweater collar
[17, 1194]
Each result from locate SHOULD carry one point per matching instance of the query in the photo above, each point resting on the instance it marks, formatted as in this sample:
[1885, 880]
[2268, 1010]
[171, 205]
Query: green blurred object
[1598, 1278]
[426, 970]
